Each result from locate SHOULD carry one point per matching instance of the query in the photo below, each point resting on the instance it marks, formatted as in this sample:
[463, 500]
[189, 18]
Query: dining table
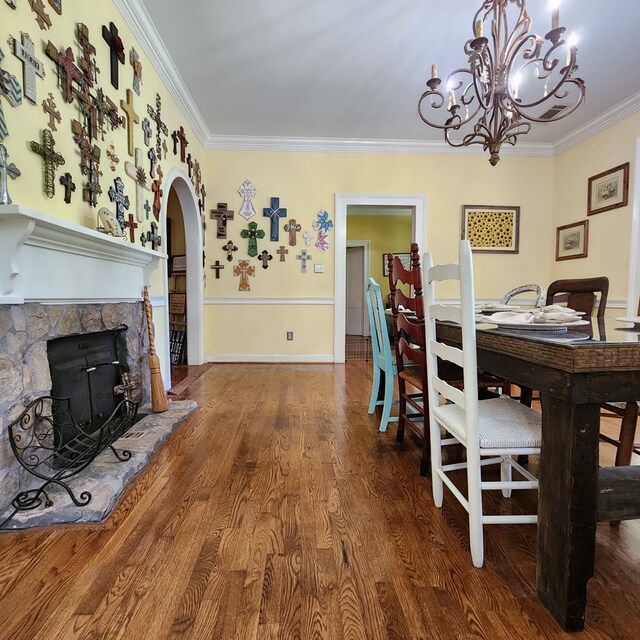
[575, 371]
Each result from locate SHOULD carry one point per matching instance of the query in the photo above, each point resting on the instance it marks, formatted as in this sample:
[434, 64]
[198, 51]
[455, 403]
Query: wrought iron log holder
[53, 447]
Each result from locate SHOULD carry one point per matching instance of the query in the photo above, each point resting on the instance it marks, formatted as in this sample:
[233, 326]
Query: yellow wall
[387, 234]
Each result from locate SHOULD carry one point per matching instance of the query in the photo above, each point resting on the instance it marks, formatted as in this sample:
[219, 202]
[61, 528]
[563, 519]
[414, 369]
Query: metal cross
[92, 188]
[51, 160]
[116, 47]
[31, 66]
[132, 225]
[303, 257]
[293, 228]
[49, 106]
[229, 248]
[180, 136]
[274, 212]
[66, 64]
[146, 130]
[265, 256]
[153, 237]
[222, 215]
[113, 157]
[42, 17]
[244, 269]
[308, 238]
[6, 169]
[134, 59]
[217, 266]
[151, 154]
[147, 209]
[88, 152]
[136, 172]
[87, 63]
[197, 176]
[116, 194]
[107, 112]
[203, 197]
[69, 186]
[161, 127]
[282, 252]
[164, 149]
[253, 233]
[132, 118]
[10, 89]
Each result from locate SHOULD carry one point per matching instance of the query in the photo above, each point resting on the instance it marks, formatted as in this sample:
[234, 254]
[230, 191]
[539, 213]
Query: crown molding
[618, 112]
[140, 23]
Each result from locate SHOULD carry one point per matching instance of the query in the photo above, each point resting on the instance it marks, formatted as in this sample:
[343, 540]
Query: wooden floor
[278, 511]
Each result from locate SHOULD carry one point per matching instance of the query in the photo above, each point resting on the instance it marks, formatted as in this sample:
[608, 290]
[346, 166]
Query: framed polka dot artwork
[491, 229]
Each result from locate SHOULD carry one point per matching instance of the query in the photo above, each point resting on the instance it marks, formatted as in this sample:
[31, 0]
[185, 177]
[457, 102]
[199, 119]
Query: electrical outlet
[318, 268]
[289, 335]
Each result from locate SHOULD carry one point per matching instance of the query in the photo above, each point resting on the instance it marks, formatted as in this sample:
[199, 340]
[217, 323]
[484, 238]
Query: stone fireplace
[59, 280]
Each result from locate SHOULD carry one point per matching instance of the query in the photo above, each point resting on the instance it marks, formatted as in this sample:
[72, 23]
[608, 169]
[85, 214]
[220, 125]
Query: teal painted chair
[383, 365]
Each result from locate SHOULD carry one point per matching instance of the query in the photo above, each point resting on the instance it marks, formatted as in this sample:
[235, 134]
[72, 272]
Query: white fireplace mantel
[45, 259]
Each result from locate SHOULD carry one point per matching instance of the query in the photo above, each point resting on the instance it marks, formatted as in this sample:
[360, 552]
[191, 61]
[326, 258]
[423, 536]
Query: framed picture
[178, 264]
[177, 303]
[405, 258]
[608, 190]
[491, 229]
[572, 240]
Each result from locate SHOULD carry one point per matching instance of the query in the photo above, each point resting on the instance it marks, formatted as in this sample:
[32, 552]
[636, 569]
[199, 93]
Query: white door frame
[179, 180]
[366, 245]
[633, 290]
[419, 234]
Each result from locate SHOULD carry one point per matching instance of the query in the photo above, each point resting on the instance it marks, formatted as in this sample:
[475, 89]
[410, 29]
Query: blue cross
[274, 213]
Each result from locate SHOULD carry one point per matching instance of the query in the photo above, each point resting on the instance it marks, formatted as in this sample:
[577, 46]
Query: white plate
[521, 326]
[634, 319]
[491, 308]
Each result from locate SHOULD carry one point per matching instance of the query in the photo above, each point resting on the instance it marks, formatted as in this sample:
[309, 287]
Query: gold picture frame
[608, 190]
[491, 229]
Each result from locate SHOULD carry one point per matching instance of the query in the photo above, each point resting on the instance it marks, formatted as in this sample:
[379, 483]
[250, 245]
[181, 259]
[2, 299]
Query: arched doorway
[179, 190]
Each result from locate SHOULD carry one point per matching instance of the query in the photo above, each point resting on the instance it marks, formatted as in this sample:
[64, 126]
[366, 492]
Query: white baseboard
[323, 358]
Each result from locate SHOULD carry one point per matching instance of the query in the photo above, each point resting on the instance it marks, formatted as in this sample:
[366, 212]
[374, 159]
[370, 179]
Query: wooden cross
[51, 160]
[244, 269]
[132, 225]
[203, 197]
[151, 154]
[180, 136]
[9, 170]
[293, 228]
[274, 212]
[136, 172]
[147, 209]
[10, 89]
[197, 176]
[222, 215]
[146, 131]
[134, 59]
[87, 64]
[164, 149]
[265, 256]
[159, 173]
[253, 233]
[132, 118]
[153, 237]
[308, 238]
[303, 257]
[229, 248]
[42, 17]
[217, 266]
[189, 165]
[31, 66]
[113, 158]
[116, 47]
[282, 252]
[89, 110]
[67, 66]
[88, 152]
[49, 106]
[157, 202]
[161, 127]
[116, 194]
[69, 186]
[92, 189]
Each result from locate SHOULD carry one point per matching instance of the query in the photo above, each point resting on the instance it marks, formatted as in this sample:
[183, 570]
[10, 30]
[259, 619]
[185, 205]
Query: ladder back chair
[492, 431]
[384, 367]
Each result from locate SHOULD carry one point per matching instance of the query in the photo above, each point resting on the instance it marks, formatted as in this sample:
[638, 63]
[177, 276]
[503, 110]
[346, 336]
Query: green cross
[253, 233]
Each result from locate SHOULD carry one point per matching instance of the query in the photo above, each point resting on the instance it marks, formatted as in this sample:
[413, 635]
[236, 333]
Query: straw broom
[159, 401]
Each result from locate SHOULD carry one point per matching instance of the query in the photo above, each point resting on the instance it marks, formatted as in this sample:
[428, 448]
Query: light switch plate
[318, 268]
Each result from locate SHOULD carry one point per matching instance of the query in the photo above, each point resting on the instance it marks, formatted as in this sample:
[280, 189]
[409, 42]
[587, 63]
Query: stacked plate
[552, 318]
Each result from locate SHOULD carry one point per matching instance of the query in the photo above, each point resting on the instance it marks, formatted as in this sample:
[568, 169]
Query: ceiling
[351, 69]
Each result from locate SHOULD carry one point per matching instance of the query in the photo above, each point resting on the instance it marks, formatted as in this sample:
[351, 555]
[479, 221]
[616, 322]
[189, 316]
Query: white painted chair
[492, 431]
[382, 357]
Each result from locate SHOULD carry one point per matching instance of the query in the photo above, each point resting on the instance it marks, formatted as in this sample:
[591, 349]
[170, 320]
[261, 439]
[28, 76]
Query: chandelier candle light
[486, 101]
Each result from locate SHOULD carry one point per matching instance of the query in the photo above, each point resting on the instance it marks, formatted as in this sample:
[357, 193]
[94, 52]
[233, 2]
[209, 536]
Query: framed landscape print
[572, 240]
[405, 258]
[491, 229]
[608, 190]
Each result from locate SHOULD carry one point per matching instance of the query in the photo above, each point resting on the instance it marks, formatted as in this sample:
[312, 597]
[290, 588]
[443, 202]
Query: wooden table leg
[567, 507]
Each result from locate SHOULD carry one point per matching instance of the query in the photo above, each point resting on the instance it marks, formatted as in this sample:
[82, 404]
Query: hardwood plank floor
[278, 511]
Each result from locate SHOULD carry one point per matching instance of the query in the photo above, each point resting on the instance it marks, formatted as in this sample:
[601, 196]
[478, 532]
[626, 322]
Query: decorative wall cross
[164, 149]
[31, 66]
[244, 269]
[57, 6]
[116, 194]
[12, 3]
[151, 154]
[92, 189]
[157, 198]
[7, 170]
[222, 215]
[189, 162]
[51, 160]
[146, 130]
[113, 158]
[42, 17]
[308, 238]
[111, 37]
[253, 233]
[181, 137]
[247, 191]
[153, 237]
[136, 172]
[107, 112]
[132, 118]
[282, 252]
[197, 176]
[217, 266]
[161, 127]
[293, 228]
[67, 182]
[88, 152]
[275, 212]
[87, 62]
[67, 67]
[10, 89]
[229, 248]
[203, 198]
[303, 257]
[265, 256]
[132, 225]
[49, 107]
[322, 242]
[147, 209]
[134, 59]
